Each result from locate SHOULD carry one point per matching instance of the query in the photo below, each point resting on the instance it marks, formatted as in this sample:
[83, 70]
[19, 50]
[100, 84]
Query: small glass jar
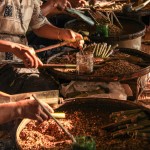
[84, 63]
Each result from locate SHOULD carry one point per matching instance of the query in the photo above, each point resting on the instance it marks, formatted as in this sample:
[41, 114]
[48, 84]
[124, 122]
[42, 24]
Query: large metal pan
[68, 76]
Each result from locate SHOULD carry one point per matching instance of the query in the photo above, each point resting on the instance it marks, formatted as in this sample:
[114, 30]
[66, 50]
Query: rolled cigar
[108, 51]
[94, 49]
[100, 48]
[132, 119]
[97, 49]
[127, 112]
[143, 135]
[103, 47]
[145, 130]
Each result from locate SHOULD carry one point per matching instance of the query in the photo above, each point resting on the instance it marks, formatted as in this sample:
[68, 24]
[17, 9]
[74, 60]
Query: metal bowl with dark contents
[125, 64]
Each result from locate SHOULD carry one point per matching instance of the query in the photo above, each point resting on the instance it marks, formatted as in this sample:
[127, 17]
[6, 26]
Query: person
[55, 11]
[16, 17]
[51, 7]
[25, 53]
[28, 108]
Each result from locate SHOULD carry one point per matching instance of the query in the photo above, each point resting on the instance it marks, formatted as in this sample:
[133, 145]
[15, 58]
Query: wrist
[14, 47]
[60, 34]
[63, 34]
[19, 110]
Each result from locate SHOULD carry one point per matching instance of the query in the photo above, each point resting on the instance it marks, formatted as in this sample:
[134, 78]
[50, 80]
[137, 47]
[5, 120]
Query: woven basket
[105, 106]
[19, 129]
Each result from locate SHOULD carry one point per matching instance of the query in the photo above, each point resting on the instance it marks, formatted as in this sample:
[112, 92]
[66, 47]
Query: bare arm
[52, 7]
[27, 54]
[23, 109]
[51, 32]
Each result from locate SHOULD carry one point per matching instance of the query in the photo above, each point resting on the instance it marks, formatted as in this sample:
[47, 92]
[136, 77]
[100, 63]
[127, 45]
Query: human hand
[27, 54]
[75, 39]
[32, 110]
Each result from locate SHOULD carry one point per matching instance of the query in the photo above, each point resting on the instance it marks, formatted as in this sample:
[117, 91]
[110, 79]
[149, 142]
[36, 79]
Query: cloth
[16, 16]
[112, 90]
[22, 80]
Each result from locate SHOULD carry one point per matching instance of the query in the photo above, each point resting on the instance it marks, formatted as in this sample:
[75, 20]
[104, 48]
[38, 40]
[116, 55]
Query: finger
[68, 4]
[72, 36]
[29, 60]
[40, 62]
[80, 45]
[26, 63]
[43, 115]
[39, 118]
[79, 36]
[48, 107]
[35, 58]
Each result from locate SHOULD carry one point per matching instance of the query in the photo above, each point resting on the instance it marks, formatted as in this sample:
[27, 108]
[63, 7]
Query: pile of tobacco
[116, 67]
[110, 62]
[48, 135]
[83, 28]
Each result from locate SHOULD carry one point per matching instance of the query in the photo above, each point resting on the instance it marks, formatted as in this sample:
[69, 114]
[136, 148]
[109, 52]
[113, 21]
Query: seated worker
[52, 7]
[16, 17]
[56, 14]
[23, 108]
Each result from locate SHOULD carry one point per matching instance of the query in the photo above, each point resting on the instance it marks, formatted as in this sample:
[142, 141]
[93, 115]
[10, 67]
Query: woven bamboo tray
[104, 106]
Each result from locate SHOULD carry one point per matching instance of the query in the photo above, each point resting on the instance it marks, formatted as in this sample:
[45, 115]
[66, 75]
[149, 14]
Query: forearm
[4, 94]
[9, 111]
[6, 46]
[50, 32]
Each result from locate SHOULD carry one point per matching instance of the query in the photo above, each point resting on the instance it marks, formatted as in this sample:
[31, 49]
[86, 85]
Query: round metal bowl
[68, 76]
[130, 37]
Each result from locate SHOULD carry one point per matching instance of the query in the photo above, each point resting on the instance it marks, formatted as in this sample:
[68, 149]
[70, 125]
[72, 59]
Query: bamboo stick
[54, 66]
[117, 20]
[52, 46]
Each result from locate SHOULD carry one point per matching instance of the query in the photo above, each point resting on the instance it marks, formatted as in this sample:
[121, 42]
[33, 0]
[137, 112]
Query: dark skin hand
[27, 54]
[23, 109]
